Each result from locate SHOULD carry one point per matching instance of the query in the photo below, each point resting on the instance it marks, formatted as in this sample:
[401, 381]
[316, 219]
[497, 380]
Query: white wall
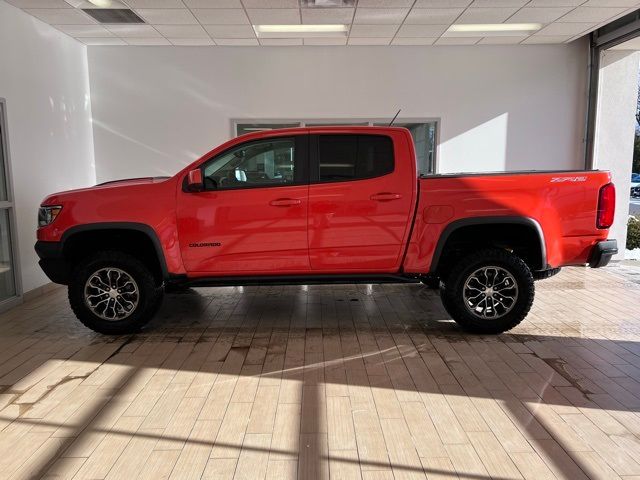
[44, 79]
[615, 129]
[155, 109]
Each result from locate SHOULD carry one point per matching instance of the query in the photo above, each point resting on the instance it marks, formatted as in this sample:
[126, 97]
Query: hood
[126, 182]
[132, 181]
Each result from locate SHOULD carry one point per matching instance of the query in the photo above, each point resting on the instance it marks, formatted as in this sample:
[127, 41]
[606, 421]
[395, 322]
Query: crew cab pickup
[323, 205]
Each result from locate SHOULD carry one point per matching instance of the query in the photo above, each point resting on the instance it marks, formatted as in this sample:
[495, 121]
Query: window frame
[9, 206]
[314, 157]
[369, 121]
[300, 162]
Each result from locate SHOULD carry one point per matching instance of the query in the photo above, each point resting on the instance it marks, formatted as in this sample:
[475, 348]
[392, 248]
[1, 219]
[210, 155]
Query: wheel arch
[537, 259]
[123, 230]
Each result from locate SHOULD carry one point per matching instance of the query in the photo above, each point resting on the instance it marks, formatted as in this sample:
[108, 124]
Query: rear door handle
[285, 202]
[385, 196]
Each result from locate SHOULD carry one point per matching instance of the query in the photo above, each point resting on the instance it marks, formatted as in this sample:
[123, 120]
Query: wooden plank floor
[362, 382]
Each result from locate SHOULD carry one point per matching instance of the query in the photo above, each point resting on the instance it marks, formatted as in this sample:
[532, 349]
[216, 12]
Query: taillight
[606, 206]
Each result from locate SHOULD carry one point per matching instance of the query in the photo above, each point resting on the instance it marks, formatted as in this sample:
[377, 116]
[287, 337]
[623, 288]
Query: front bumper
[52, 261]
[602, 253]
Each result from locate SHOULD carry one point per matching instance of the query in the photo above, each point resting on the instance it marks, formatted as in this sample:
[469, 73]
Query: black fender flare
[139, 227]
[492, 220]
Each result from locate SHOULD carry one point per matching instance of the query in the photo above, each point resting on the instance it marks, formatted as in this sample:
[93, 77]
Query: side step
[294, 280]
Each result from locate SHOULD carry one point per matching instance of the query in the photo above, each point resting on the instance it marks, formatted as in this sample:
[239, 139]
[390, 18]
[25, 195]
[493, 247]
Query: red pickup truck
[323, 205]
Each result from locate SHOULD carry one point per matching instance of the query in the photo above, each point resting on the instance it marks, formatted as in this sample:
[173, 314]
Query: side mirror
[194, 181]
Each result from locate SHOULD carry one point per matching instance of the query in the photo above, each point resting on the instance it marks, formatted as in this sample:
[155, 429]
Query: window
[243, 128]
[8, 288]
[353, 157]
[7, 282]
[424, 140]
[256, 164]
[424, 133]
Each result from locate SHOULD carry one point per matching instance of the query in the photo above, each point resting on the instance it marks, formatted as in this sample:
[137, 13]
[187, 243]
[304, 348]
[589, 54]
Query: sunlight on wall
[483, 148]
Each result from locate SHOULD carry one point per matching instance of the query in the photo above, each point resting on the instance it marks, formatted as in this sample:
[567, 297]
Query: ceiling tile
[60, 16]
[155, 3]
[191, 42]
[230, 31]
[95, 31]
[236, 41]
[281, 41]
[270, 3]
[220, 16]
[148, 41]
[213, 3]
[384, 3]
[540, 39]
[612, 3]
[413, 41]
[102, 41]
[486, 15]
[432, 16]
[373, 30]
[327, 15]
[325, 41]
[502, 40]
[565, 29]
[373, 16]
[538, 15]
[369, 41]
[555, 3]
[274, 16]
[132, 31]
[422, 30]
[167, 16]
[39, 3]
[441, 3]
[458, 41]
[182, 31]
[590, 14]
[499, 3]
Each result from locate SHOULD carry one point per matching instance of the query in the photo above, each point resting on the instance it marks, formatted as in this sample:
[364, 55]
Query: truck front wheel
[489, 291]
[113, 293]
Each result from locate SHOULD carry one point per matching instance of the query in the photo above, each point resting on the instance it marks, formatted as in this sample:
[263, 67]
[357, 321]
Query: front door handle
[285, 202]
[385, 196]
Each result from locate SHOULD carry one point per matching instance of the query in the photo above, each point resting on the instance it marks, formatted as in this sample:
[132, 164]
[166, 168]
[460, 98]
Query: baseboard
[40, 291]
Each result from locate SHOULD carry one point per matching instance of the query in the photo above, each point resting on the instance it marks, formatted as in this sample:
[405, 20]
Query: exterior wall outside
[500, 107]
[615, 129]
[45, 83]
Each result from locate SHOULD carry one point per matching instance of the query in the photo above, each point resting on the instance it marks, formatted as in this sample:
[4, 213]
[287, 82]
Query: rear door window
[354, 157]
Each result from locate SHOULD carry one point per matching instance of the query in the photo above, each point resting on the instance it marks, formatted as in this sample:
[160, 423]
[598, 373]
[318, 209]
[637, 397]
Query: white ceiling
[371, 22]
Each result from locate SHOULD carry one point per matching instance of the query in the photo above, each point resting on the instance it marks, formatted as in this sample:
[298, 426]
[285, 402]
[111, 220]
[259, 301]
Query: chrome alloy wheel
[111, 294]
[490, 292]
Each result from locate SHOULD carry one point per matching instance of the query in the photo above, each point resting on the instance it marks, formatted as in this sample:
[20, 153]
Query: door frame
[9, 205]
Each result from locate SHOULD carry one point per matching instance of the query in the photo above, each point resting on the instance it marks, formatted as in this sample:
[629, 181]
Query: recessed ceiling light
[493, 28]
[101, 3]
[284, 31]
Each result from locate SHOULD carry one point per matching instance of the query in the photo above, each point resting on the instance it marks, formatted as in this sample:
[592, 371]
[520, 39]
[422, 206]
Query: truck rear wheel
[489, 291]
[113, 293]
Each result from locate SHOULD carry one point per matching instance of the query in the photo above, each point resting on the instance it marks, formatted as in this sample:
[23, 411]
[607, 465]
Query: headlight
[46, 215]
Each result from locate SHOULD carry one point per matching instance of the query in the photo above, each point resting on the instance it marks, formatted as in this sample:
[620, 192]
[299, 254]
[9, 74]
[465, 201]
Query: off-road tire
[544, 274]
[150, 293]
[452, 296]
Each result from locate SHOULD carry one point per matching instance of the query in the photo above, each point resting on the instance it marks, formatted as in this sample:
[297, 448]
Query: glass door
[8, 288]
